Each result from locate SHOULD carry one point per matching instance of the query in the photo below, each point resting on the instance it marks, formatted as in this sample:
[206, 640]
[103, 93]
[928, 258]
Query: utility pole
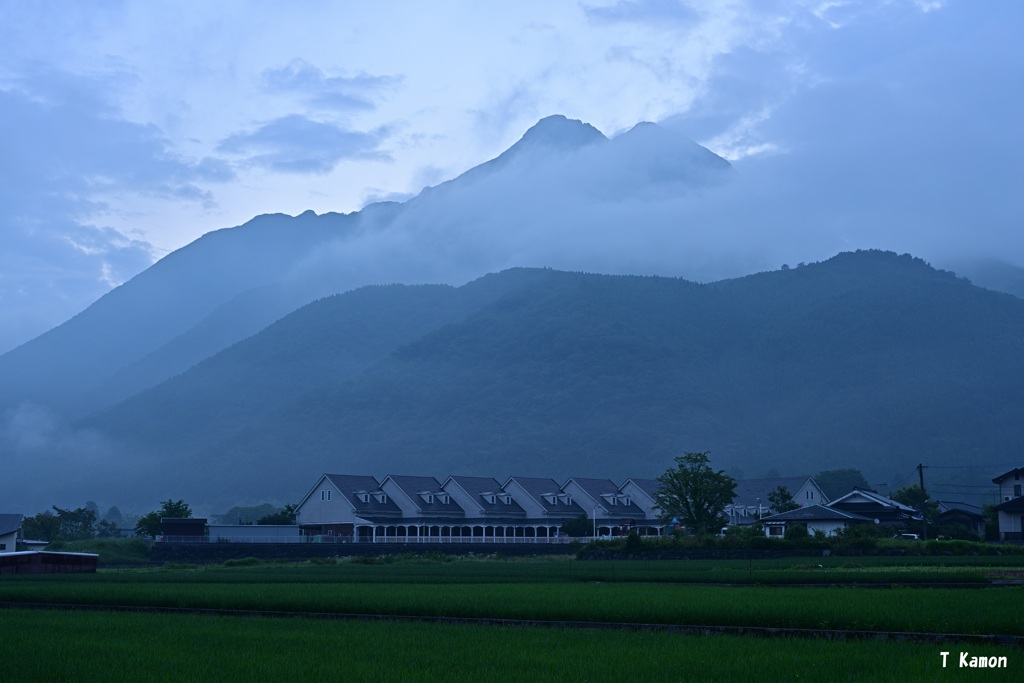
[924, 504]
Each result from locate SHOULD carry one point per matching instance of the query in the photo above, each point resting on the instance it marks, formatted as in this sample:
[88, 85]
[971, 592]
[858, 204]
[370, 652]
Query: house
[348, 508]
[10, 524]
[614, 512]
[955, 513]
[875, 506]
[546, 505]
[1010, 510]
[483, 498]
[750, 502]
[821, 518]
[642, 492]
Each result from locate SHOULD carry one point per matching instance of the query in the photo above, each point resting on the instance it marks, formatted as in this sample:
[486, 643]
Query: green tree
[42, 527]
[781, 500]
[835, 483]
[580, 527]
[911, 495]
[286, 515]
[149, 523]
[76, 525]
[695, 494]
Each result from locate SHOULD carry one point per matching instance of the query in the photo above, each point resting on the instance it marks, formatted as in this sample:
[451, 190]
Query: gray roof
[815, 513]
[749, 490]
[350, 485]
[10, 522]
[537, 487]
[479, 487]
[596, 488]
[648, 486]
[414, 486]
[957, 506]
[1016, 471]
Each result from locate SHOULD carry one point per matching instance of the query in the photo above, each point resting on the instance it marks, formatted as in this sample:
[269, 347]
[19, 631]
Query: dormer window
[363, 496]
[489, 497]
[550, 497]
[444, 498]
[427, 496]
[505, 498]
[381, 497]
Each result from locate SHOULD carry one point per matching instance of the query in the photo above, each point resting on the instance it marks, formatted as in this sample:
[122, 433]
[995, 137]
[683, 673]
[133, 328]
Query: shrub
[243, 562]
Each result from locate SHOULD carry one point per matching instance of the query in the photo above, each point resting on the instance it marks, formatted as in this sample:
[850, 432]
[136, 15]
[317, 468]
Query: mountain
[867, 360]
[231, 283]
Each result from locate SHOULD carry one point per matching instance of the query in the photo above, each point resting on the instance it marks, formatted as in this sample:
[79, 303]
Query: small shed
[42, 562]
[182, 530]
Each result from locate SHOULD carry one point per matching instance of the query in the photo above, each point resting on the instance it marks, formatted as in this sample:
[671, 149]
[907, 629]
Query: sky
[129, 129]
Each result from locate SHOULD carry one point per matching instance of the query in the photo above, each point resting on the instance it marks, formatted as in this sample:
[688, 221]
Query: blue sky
[131, 128]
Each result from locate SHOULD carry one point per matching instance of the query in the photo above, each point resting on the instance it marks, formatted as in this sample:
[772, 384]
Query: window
[381, 497]
[363, 496]
[325, 494]
[1016, 490]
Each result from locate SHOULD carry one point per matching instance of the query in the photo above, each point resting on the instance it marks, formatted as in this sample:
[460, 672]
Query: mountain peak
[560, 133]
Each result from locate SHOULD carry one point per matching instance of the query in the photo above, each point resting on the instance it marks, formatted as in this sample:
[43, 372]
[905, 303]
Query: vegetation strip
[687, 629]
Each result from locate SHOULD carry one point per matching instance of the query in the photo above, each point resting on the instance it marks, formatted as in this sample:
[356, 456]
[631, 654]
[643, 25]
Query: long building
[350, 508]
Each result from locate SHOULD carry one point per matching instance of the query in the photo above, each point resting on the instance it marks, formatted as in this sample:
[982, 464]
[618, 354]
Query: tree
[65, 525]
[781, 500]
[694, 493]
[911, 495]
[286, 515]
[149, 523]
[835, 483]
[579, 527]
[76, 525]
[43, 527]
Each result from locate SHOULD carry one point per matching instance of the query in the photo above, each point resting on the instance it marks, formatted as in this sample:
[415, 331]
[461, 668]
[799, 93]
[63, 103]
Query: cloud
[340, 93]
[644, 11]
[69, 156]
[297, 144]
[35, 443]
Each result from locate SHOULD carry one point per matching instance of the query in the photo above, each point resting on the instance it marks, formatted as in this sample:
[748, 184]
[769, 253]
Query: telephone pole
[924, 504]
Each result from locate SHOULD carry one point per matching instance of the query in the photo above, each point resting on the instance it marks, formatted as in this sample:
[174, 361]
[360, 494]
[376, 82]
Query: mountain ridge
[569, 374]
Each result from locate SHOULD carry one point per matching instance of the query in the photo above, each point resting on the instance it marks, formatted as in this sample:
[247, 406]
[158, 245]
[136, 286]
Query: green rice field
[104, 645]
[96, 646]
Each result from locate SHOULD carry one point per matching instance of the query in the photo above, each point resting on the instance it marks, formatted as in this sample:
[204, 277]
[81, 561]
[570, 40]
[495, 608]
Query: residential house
[10, 524]
[875, 506]
[1011, 506]
[614, 512]
[346, 507]
[827, 520]
[955, 513]
[546, 505]
[642, 492]
[750, 502]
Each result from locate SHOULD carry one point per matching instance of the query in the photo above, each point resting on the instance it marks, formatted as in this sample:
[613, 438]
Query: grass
[182, 648]
[539, 590]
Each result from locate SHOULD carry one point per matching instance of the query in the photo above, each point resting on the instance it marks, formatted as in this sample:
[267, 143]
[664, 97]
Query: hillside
[562, 176]
[868, 360]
